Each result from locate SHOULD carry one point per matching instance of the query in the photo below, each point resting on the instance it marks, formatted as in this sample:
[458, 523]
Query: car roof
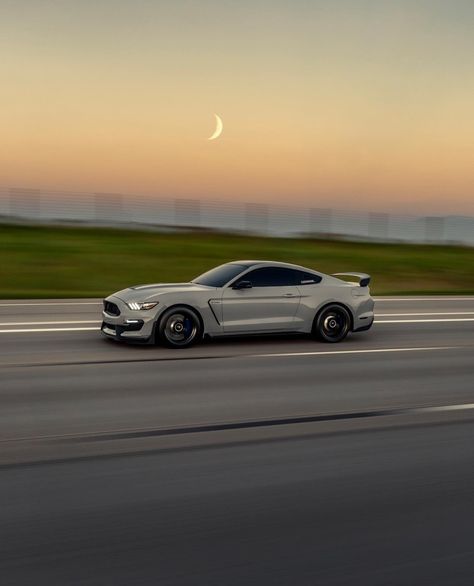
[272, 263]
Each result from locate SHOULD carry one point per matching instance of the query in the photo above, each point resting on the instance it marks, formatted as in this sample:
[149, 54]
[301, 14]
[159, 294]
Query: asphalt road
[249, 461]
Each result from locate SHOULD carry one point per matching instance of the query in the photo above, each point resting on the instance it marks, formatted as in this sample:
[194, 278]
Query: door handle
[289, 295]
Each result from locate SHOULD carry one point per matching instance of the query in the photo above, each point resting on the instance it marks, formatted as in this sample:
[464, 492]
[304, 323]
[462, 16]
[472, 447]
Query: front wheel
[332, 324]
[179, 327]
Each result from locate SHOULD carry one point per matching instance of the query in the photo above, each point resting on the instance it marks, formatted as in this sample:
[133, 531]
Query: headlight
[142, 306]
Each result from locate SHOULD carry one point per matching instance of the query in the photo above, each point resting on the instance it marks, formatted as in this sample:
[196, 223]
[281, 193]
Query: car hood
[150, 292]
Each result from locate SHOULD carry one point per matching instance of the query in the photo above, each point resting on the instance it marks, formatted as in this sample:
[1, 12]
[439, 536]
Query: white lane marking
[421, 314]
[29, 331]
[421, 321]
[83, 329]
[382, 299]
[423, 298]
[366, 351]
[53, 303]
[49, 323]
[460, 407]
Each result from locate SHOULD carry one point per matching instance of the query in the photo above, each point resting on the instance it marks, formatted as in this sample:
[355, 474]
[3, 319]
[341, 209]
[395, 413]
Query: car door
[268, 303]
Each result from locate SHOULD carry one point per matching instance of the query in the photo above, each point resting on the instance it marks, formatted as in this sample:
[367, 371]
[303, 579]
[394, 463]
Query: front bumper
[124, 324]
[120, 331]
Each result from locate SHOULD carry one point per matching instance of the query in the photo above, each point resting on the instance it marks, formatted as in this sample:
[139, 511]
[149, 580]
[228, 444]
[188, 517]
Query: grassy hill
[40, 261]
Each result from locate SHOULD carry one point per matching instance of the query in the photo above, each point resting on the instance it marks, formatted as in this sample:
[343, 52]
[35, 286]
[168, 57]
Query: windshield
[219, 276]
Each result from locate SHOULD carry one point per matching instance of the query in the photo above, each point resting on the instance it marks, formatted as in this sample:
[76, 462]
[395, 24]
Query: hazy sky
[350, 103]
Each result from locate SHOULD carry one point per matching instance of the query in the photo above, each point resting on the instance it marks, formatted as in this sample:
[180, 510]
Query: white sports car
[239, 298]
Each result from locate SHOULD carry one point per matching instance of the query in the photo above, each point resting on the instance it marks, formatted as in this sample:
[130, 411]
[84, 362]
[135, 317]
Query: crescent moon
[219, 128]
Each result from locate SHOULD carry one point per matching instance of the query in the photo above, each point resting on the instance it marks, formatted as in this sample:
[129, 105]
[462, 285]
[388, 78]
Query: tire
[332, 324]
[179, 327]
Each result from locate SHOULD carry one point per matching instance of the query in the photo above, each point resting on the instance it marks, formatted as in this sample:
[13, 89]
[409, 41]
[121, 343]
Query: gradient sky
[350, 103]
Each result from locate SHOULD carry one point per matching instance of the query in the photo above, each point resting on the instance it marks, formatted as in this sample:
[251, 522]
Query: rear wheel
[332, 324]
[179, 327]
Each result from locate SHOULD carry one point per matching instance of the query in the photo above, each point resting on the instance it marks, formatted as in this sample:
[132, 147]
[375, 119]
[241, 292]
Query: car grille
[111, 308]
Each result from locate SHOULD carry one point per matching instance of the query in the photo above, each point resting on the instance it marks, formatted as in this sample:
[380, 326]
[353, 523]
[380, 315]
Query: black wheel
[179, 327]
[332, 324]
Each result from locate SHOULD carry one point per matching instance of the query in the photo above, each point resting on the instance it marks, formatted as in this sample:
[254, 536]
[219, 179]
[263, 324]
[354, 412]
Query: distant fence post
[108, 207]
[434, 229]
[187, 213]
[35, 205]
[320, 221]
[25, 203]
[256, 217]
[378, 225]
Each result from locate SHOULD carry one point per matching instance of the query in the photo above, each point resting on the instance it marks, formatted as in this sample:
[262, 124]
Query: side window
[271, 277]
[307, 278]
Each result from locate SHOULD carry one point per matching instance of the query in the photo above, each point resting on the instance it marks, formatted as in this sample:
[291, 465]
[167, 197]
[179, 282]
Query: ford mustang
[240, 298]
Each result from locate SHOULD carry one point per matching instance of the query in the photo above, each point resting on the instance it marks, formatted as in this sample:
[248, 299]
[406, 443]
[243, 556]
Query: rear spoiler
[364, 279]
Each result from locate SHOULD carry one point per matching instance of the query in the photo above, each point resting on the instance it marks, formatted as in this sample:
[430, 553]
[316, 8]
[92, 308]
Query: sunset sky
[365, 104]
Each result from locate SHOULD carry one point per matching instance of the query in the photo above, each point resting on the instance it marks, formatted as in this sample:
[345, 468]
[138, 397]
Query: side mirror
[242, 285]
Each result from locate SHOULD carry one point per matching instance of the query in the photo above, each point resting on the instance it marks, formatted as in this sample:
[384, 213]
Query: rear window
[307, 278]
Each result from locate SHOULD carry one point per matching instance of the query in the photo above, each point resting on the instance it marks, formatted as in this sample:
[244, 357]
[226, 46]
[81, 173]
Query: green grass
[39, 261]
